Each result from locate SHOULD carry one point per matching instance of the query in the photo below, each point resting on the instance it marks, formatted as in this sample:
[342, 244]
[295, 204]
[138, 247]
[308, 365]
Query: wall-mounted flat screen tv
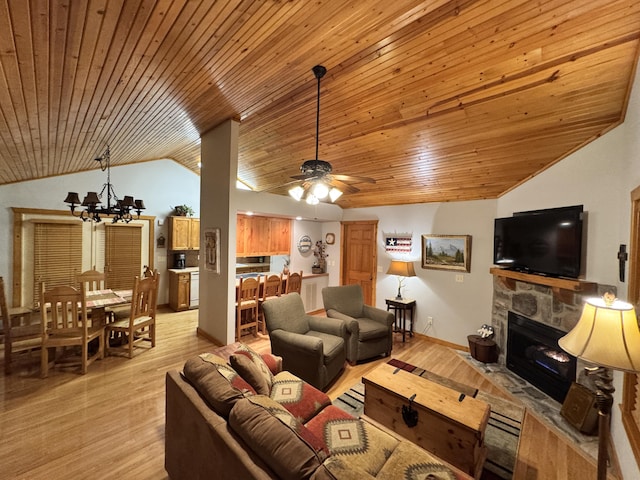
[547, 242]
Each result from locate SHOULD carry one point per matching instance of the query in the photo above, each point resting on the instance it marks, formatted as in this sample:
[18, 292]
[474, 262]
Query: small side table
[484, 350]
[400, 309]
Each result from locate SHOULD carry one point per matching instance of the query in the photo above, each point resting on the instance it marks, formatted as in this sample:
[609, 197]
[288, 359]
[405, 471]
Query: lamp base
[604, 400]
[399, 296]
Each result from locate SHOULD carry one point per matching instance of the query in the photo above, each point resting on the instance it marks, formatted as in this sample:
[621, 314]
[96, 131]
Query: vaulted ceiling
[436, 100]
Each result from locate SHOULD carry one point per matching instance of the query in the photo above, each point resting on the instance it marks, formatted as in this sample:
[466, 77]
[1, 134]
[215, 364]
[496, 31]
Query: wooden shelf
[560, 286]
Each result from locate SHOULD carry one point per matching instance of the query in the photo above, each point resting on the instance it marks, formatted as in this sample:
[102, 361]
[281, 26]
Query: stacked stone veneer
[536, 302]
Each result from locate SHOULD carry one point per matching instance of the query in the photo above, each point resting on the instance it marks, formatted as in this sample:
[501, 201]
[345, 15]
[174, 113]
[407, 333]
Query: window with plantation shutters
[123, 255]
[57, 249]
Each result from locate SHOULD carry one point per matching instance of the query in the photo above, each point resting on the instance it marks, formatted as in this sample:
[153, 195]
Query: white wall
[161, 184]
[458, 308]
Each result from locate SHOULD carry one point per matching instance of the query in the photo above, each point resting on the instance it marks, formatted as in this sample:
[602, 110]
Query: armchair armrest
[296, 343]
[379, 315]
[351, 323]
[332, 326]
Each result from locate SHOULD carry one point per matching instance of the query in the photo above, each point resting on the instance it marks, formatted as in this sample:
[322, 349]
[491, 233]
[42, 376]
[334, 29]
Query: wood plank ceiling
[436, 100]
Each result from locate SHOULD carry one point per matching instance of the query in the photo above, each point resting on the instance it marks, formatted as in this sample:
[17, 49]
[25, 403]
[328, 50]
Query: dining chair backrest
[143, 299]
[19, 329]
[249, 289]
[92, 279]
[272, 286]
[294, 282]
[64, 309]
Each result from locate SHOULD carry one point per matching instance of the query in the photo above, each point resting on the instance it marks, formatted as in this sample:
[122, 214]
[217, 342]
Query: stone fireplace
[546, 310]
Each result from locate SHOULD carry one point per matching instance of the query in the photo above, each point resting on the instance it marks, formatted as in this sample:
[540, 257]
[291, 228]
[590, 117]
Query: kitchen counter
[184, 270]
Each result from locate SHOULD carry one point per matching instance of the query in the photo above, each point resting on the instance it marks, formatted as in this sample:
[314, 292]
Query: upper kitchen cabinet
[184, 233]
[279, 236]
[257, 236]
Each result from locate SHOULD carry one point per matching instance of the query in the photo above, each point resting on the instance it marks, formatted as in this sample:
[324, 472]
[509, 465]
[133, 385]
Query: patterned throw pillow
[248, 370]
[290, 449]
[216, 381]
[258, 361]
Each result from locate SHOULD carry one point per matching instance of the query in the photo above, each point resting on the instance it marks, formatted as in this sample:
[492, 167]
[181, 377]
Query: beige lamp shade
[606, 335]
[401, 268]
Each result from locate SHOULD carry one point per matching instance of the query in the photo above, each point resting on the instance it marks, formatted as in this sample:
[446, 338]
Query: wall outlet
[429, 321]
[459, 278]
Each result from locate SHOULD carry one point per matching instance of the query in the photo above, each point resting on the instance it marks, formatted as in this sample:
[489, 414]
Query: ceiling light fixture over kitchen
[120, 210]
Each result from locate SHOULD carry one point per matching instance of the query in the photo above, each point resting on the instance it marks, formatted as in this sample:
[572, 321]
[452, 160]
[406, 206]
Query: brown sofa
[219, 426]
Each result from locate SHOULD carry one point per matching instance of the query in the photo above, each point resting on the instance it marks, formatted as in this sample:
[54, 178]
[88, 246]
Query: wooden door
[359, 257]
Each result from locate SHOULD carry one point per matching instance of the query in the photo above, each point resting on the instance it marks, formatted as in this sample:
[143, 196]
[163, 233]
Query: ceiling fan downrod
[319, 71]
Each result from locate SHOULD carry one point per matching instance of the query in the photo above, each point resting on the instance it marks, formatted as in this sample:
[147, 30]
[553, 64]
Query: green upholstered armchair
[312, 348]
[370, 329]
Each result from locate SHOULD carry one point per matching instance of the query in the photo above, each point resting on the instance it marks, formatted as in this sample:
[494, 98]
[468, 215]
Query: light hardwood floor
[109, 423]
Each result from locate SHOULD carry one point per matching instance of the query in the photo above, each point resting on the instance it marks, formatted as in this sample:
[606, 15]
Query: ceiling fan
[317, 178]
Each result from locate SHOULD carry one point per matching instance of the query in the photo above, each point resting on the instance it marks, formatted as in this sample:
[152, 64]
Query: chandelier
[120, 210]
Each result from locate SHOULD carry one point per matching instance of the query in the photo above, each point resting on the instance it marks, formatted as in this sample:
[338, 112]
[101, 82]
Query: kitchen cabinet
[184, 233]
[262, 236]
[179, 290]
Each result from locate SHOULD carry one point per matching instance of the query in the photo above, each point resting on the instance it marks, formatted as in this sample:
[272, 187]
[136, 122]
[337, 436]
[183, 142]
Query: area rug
[503, 429]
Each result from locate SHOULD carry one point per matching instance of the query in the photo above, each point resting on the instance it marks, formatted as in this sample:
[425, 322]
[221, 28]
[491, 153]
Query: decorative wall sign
[397, 242]
[212, 249]
[304, 244]
[446, 252]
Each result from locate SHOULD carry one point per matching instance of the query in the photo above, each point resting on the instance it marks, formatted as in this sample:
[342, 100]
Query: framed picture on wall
[212, 249]
[446, 252]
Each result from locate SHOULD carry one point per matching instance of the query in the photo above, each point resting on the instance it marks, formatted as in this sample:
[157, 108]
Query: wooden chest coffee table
[449, 424]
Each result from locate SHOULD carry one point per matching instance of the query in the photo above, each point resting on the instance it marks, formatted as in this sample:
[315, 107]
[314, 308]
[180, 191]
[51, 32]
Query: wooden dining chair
[294, 282]
[92, 279]
[19, 328]
[65, 323]
[272, 287]
[140, 326]
[247, 305]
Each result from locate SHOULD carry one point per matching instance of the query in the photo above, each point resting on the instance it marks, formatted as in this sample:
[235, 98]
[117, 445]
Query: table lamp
[607, 336]
[402, 269]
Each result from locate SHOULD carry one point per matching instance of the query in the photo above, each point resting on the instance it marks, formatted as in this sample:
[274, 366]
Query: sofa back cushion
[218, 383]
[290, 449]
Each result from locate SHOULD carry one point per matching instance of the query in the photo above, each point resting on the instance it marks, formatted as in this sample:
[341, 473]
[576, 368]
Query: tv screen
[547, 242]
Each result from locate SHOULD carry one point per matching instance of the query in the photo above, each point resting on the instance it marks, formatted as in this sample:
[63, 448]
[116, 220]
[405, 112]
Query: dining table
[99, 300]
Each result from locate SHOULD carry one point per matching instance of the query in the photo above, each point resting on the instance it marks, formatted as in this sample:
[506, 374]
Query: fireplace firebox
[533, 353]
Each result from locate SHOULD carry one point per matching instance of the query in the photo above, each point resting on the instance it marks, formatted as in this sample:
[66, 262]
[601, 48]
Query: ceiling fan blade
[345, 187]
[352, 178]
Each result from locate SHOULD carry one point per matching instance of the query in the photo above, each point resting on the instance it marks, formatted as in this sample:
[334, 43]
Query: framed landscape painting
[446, 252]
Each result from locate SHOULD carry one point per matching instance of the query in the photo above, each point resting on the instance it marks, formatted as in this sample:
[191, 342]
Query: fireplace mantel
[562, 288]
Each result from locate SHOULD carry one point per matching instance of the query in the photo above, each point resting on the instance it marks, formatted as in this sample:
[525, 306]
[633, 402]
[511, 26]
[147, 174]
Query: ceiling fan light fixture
[296, 192]
[312, 199]
[334, 194]
[320, 190]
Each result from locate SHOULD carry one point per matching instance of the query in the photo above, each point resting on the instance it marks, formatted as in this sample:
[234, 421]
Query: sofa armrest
[331, 326]
[379, 315]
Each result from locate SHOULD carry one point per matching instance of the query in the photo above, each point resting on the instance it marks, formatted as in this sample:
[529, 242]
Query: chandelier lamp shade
[121, 210]
[606, 336]
[402, 269]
